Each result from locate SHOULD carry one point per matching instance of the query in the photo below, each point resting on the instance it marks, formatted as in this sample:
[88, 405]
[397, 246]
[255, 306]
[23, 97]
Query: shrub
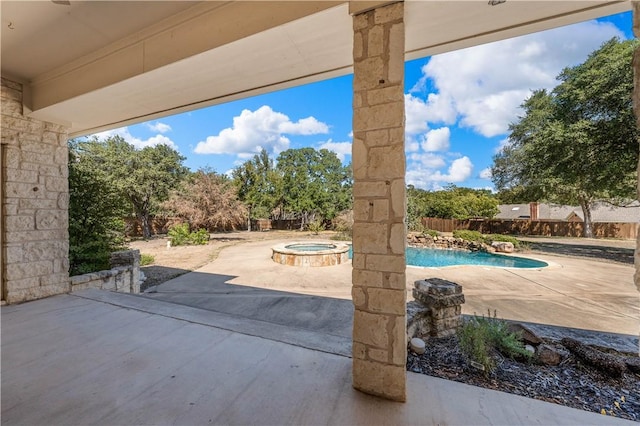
[474, 338]
[199, 238]
[96, 228]
[343, 225]
[180, 235]
[469, 235]
[316, 226]
[146, 259]
[417, 226]
[480, 336]
[431, 232]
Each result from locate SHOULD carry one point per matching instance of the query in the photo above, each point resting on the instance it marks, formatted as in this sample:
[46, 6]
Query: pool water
[428, 257]
[310, 247]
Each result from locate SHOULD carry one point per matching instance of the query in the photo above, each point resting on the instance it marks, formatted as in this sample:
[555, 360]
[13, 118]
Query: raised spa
[311, 253]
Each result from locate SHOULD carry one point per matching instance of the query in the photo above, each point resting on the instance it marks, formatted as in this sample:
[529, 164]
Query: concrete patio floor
[105, 358]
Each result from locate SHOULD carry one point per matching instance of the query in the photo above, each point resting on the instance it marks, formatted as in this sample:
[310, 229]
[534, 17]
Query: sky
[458, 108]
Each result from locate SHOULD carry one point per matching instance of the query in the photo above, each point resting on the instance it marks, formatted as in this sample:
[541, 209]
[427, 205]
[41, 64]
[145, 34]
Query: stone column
[35, 200]
[379, 232]
[636, 106]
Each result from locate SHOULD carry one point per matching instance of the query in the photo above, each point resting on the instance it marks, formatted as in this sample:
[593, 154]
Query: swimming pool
[434, 258]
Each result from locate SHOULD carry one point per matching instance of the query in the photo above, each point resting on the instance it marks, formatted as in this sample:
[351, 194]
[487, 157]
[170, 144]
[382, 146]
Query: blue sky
[458, 108]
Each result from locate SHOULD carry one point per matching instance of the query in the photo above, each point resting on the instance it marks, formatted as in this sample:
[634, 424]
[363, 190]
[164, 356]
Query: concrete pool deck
[571, 292]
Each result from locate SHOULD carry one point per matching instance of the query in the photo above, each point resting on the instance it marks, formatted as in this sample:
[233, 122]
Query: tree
[144, 176]
[451, 203]
[313, 182]
[256, 181]
[579, 143]
[207, 200]
[96, 210]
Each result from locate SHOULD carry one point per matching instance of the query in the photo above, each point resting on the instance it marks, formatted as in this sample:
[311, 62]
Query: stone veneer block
[381, 379]
[35, 240]
[636, 105]
[379, 231]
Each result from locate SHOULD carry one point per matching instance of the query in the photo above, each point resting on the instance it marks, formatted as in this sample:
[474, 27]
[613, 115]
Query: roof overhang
[96, 65]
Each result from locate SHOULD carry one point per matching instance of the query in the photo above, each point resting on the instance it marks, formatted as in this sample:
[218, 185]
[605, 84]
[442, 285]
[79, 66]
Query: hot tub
[311, 253]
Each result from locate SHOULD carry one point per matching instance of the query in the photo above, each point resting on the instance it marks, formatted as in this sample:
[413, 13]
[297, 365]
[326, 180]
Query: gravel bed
[571, 383]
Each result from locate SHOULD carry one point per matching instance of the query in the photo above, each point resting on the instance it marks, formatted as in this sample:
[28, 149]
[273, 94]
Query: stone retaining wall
[426, 240]
[124, 277]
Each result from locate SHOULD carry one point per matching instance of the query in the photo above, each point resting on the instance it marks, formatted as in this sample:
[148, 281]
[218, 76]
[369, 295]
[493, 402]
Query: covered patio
[107, 358]
[75, 68]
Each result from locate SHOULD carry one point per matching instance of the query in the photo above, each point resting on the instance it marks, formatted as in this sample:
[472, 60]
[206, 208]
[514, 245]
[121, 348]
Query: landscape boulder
[502, 246]
[548, 355]
[526, 335]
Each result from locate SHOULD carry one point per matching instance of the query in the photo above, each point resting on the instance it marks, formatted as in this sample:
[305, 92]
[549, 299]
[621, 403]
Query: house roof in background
[601, 212]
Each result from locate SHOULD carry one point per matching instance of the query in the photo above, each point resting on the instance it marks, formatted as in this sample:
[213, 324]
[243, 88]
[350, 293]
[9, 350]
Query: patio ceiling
[95, 65]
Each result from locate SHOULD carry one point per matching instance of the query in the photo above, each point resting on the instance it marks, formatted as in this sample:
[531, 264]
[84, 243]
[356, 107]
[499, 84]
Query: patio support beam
[379, 232]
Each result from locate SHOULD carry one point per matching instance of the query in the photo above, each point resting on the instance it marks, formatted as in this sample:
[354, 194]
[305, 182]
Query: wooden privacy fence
[546, 228]
[281, 224]
[161, 225]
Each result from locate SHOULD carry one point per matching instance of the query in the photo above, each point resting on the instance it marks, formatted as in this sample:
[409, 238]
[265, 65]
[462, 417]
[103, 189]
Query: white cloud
[485, 85]
[428, 160]
[426, 177]
[436, 140]
[459, 171]
[485, 173]
[254, 130]
[436, 109]
[159, 127]
[341, 149]
[137, 142]
[411, 144]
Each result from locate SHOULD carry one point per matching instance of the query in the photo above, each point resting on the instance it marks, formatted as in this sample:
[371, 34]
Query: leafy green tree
[96, 210]
[313, 183]
[257, 181]
[145, 177]
[450, 203]
[579, 143]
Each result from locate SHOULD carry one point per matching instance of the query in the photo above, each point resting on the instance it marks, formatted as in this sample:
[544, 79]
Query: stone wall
[636, 105]
[35, 242]
[416, 239]
[379, 293]
[436, 310]
[123, 277]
